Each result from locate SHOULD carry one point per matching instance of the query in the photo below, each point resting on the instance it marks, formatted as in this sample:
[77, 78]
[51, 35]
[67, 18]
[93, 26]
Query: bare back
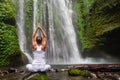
[44, 40]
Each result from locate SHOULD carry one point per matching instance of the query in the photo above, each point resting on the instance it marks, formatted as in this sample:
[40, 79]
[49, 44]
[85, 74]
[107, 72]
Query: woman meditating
[38, 46]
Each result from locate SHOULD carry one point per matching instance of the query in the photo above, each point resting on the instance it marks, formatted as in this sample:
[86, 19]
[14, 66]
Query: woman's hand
[39, 27]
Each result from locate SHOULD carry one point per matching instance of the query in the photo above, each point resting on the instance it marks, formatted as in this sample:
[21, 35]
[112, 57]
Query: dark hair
[39, 39]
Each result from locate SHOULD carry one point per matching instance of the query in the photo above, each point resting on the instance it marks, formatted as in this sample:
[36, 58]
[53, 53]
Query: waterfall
[35, 14]
[62, 43]
[21, 29]
[56, 20]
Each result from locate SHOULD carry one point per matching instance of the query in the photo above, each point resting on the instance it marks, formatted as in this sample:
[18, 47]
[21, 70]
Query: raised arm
[44, 43]
[33, 39]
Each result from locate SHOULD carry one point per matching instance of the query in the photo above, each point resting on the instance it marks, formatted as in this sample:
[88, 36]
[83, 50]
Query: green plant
[40, 76]
[10, 53]
[78, 72]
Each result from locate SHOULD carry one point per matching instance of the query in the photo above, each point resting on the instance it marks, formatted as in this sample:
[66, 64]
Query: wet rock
[5, 73]
[52, 70]
[100, 67]
[63, 70]
[71, 67]
[109, 78]
[107, 75]
[56, 70]
[12, 70]
[37, 76]
[78, 72]
[94, 75]
[1, 73]
[21, 72]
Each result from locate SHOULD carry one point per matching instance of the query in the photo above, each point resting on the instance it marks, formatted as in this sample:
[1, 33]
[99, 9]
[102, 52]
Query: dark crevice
[110, 48]
[112, 42]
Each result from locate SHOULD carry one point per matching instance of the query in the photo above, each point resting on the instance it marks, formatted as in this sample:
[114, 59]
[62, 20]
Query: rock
[94, 75]
[1, 73]
[109, 78]
[37, 76]
[63, 70]
[12, 70]
[22, 72]
[5, 73]
[56, 70]
[100, 67]
[52, 70]
[78, 72]
[118, 78]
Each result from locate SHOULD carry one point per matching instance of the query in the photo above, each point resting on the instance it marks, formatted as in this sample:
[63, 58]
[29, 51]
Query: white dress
[39, 63]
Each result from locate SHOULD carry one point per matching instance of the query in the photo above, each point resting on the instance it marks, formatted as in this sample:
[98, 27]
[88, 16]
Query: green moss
[41, 76]
[7, 12]
[83, 8]
[9, 45]
[96, 17]
[10, 53]
[78, 72]
[105, 17]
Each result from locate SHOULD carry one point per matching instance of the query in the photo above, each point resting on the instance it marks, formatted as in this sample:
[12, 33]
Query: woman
[38, 46]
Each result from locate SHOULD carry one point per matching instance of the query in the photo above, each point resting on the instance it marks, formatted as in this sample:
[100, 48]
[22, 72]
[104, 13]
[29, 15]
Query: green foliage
[41, 76]
[10, 53]
[74, 72]
[84, 30]
[96, 17]
[9, 45]
[105, 16]
[7, 12]
[78, 72]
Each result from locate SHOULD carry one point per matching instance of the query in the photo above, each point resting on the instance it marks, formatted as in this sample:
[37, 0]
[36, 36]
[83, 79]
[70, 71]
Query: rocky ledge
[98, 72]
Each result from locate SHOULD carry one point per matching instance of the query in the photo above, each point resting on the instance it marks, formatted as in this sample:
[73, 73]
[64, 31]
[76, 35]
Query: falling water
[21, 29]
[35, 14]
[56, 19]
[62, 45]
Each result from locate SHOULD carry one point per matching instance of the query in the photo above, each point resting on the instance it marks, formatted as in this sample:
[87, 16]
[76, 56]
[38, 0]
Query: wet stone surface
[111, 72]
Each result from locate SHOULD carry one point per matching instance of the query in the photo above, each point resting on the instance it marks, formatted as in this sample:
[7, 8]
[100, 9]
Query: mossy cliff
[10, 53]
[98, 21]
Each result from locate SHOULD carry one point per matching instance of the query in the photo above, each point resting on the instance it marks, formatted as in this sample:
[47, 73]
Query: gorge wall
[98, 25]
[10, 54]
